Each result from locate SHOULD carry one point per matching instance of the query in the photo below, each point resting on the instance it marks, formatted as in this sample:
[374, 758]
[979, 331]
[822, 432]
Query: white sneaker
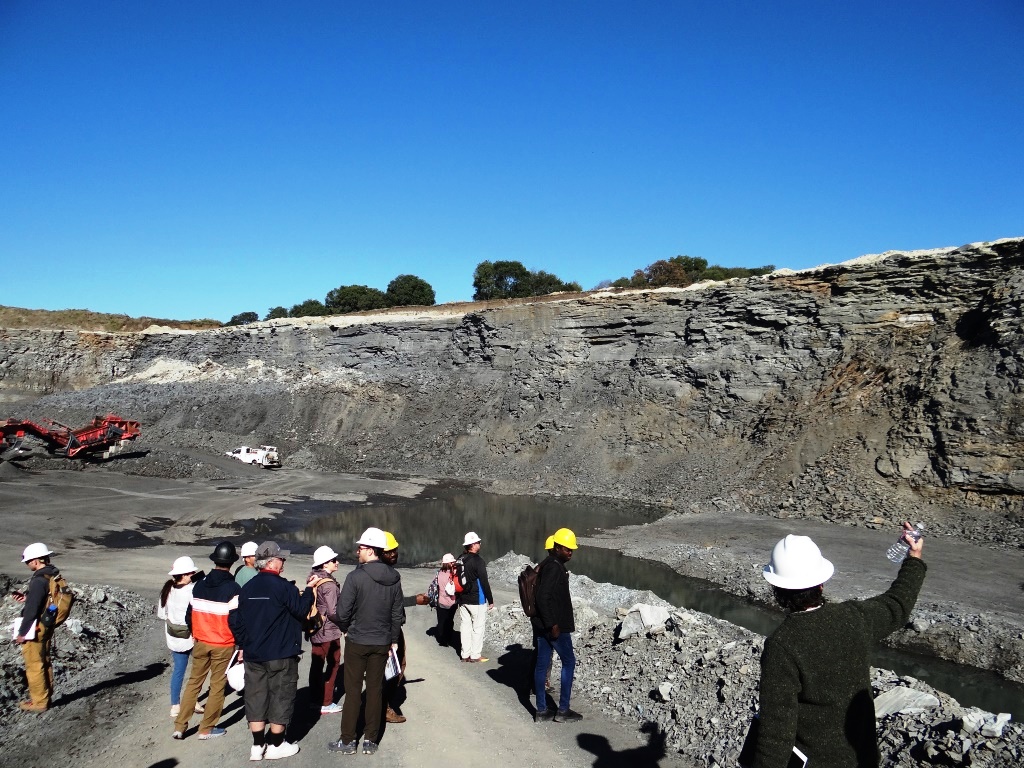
[330, 709]
[255, 753]
[175, 709]
[287, 749]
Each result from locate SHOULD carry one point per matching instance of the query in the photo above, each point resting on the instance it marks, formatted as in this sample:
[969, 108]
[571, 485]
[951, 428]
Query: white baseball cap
[797, 564]
[182, 565]
[471, 538]
[373, 537]
[323, 555]
[249, 549]
[35, 551]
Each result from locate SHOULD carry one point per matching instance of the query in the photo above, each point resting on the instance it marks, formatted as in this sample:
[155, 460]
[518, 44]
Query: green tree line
[682, 271]
[499, 280]
[403, 291]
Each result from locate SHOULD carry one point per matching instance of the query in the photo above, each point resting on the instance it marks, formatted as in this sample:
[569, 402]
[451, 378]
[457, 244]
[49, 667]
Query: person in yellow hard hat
[554, 624]
[549, 547]
[391, 715]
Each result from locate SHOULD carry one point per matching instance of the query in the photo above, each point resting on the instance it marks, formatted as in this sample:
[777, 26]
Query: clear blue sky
[199, 159]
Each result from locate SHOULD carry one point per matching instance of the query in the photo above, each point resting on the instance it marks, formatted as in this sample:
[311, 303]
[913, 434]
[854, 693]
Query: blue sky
[199, 159]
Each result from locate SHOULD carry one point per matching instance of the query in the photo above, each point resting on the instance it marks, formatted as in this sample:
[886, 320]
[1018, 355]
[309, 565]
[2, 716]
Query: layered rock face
[877, 388]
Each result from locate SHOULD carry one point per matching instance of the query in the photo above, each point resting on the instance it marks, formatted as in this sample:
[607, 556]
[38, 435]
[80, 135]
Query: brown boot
[394, 717]
[28, 706]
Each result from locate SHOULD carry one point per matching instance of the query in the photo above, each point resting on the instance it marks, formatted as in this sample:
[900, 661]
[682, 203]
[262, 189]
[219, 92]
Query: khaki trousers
[209, 660]
[38, 669]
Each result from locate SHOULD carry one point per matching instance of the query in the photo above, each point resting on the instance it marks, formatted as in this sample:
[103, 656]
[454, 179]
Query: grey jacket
[370, 609]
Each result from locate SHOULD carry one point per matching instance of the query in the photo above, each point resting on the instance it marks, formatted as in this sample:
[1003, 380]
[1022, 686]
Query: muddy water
[428, 527]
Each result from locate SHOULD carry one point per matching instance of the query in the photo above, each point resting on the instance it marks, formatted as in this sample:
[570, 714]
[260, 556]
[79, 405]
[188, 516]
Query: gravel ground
[693, 680]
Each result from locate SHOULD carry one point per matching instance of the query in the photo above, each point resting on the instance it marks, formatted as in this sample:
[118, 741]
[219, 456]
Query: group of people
[553, 621]
[256, 617]
[815, 691]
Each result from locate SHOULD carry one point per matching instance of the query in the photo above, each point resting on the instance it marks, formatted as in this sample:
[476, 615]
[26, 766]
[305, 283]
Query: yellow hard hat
[389, 541]
[549, 542]
[565, 537]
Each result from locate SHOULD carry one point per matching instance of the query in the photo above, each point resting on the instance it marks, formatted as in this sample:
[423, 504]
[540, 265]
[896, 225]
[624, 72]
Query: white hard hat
[323, 555]
[448, 558]
[471, 538]
[373, 537]
[34, 551]
[249, 549]
[797, 564]
[182, 565]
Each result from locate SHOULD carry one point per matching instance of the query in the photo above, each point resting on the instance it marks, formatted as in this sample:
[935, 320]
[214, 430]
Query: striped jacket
[212, 599]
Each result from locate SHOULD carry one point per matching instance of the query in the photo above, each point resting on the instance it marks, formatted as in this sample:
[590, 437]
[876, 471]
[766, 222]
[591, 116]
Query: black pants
[445, 625]
[363, 661]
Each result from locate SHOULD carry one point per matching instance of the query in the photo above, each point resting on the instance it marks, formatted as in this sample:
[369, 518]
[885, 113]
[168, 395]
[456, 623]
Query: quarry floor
[90, 517]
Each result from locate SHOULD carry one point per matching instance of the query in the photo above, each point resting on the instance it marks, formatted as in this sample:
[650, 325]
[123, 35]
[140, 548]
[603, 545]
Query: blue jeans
[178, 674]
[563, 647]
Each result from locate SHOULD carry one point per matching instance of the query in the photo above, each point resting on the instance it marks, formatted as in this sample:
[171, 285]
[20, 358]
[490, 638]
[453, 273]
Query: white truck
[263, 456]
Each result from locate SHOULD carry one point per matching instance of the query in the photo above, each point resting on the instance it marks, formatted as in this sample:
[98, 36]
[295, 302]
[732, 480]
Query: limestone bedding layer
[883, 387]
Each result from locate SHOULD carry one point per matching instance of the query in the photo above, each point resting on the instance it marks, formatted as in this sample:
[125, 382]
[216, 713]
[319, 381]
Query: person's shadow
[515, 669]
[647, 756]
[148, 672]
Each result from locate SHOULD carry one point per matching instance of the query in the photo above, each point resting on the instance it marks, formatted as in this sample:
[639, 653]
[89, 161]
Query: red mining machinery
[103, 438]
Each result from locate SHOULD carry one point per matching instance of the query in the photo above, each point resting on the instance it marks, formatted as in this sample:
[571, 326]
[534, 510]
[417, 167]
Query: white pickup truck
[263, 456]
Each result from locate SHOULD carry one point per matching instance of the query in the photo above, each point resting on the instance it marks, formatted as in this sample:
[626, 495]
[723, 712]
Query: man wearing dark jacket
[36, 651]
[475, 600]
[371, 613]
[815, 668]
[553, 625]
[207, 617]
[268, 628]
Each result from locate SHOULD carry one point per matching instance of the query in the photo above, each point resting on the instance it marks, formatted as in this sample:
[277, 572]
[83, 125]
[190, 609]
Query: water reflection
[426, 528]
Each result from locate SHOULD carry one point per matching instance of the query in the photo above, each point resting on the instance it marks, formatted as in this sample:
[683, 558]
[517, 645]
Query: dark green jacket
[815, 678]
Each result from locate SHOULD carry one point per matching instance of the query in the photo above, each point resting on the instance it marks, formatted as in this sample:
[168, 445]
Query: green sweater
[815, 678]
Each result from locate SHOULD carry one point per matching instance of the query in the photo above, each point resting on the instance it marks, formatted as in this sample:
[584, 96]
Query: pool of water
[429, 526]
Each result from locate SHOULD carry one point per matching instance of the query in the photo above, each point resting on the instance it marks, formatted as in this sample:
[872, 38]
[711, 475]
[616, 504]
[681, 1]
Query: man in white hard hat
[815, 668]
[33, 636]
[326, 641]
[474, 600]
[247, 569]
[371, 614]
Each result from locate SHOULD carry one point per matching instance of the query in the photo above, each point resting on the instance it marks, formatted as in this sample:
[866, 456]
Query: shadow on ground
[515, 669]
[647, 756]
[148, 672]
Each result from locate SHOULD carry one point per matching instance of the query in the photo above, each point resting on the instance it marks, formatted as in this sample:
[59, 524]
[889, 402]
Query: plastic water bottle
[49, 617]
[898, 551]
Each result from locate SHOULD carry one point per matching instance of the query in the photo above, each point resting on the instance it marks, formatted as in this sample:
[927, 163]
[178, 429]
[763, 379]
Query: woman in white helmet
[174, 600]
[815, 668]
[326, 641]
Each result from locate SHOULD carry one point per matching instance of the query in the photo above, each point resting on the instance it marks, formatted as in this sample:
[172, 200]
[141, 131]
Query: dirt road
[458, 714]
[117, 713]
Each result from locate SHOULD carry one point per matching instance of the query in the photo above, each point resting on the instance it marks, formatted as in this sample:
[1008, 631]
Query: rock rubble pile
[692, 680]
